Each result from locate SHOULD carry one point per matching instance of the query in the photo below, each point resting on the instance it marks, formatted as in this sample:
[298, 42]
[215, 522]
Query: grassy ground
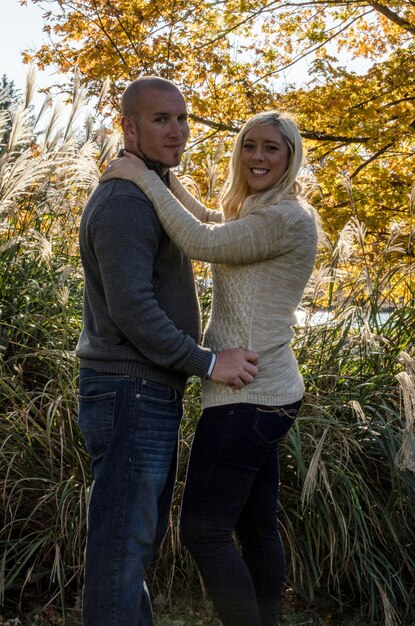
[201, 614]
[190, 617]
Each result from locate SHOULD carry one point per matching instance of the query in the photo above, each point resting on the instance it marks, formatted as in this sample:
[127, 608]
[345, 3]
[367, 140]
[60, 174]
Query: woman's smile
[264, 157]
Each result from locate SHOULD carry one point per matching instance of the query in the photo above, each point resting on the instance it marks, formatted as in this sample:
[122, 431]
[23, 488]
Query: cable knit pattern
[262, 262]
[195, 207]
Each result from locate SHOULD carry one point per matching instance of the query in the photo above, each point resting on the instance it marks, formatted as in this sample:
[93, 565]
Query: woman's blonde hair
[236, 190]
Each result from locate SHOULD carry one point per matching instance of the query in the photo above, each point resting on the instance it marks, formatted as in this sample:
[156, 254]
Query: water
[324, 317]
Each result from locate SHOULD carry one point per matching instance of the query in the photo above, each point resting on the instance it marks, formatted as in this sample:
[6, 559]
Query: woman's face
[264, 157]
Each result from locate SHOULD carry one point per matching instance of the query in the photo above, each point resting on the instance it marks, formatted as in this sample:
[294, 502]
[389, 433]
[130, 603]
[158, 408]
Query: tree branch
[215, 125]
[307, 134]
[372, 158]
[108, 36]
[393, 102]
[236, 25]
[394, 17]
[312, 49]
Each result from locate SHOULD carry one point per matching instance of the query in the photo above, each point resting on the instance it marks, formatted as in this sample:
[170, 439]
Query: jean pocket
[272, 423]
[157, 393]
[96, 417]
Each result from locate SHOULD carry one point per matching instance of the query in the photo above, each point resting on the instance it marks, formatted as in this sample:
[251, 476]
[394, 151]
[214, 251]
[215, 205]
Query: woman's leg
[222, 469]
[261, 545]
[232, 483]
[257, 527]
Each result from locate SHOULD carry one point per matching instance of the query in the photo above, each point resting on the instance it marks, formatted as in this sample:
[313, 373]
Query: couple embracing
[140, 343]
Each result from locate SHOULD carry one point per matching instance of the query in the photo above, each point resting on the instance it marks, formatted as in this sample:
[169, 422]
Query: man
[137, 348]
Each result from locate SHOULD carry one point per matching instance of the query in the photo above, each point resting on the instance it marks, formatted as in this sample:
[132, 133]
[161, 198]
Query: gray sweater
[141, 315]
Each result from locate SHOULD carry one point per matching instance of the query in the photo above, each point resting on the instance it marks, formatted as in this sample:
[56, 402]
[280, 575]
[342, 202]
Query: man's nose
[174, 129]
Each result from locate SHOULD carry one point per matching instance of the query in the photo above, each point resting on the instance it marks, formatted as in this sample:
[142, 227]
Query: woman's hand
[125, 167]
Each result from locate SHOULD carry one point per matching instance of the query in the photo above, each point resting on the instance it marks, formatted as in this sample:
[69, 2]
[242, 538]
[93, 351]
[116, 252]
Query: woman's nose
[259, 155]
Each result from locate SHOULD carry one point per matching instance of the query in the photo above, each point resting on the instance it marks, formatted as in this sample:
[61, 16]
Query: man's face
[161, 127]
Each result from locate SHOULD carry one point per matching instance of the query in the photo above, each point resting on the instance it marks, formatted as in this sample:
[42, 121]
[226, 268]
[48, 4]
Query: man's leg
[146, 613]
[130, 428]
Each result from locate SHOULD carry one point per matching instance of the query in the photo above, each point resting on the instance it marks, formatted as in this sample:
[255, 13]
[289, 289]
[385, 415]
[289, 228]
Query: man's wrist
[208, 374]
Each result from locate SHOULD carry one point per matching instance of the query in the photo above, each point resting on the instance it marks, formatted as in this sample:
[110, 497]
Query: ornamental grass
[347, 503]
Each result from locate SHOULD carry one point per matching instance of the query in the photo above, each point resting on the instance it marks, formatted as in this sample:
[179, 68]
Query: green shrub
[348, 466]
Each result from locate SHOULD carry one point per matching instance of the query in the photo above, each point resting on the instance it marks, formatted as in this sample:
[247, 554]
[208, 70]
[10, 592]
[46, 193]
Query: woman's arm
[258, 236]
[195, 207]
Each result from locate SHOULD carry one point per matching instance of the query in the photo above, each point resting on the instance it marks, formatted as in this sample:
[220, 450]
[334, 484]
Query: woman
[262, 254]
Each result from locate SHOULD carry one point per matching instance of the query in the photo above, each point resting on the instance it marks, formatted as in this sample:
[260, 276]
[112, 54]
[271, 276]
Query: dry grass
[348, 488]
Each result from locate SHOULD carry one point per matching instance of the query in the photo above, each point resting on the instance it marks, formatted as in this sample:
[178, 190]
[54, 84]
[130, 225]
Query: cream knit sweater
[261, 264]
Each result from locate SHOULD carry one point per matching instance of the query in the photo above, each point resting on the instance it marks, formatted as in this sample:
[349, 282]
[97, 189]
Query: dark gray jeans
[232, 485]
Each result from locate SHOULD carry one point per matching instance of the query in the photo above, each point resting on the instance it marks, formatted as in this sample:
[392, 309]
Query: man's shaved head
[130, 101]
[154, 120]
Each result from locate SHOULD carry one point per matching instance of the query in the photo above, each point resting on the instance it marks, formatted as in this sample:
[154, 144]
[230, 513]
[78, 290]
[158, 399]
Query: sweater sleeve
[125, 237]
[196, 208]
[256, 237]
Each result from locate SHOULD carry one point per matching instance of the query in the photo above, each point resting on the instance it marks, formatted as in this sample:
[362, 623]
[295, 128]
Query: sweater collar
[157, 167]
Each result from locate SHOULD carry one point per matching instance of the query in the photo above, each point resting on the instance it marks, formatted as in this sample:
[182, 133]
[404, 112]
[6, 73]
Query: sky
[21, 29]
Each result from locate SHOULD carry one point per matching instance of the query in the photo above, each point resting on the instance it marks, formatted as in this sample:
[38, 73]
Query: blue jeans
[232, 486]
[130, 426]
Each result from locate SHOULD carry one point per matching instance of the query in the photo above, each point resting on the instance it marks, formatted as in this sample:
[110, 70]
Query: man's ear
[129, 127]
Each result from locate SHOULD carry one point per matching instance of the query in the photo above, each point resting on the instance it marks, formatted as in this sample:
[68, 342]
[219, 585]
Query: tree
[10, 98]
[230, 58]
[9, 94]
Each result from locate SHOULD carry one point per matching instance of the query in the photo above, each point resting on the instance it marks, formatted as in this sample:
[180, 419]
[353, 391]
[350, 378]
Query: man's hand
[236, 367]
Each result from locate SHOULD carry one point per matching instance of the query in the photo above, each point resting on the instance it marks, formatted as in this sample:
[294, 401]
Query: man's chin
[173, 160]
[168, 161]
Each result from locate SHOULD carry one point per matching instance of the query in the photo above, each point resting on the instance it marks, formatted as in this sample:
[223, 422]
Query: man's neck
[162, 172]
